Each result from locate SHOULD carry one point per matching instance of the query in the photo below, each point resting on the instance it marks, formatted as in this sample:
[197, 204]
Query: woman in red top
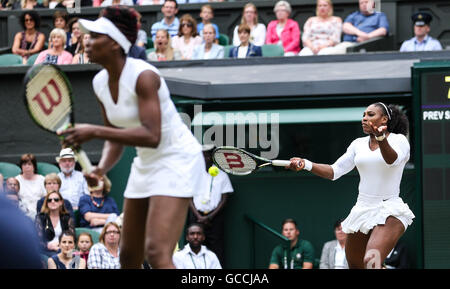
[284, 31]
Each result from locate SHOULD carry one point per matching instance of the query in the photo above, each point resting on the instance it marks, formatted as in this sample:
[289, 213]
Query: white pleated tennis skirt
[368, 213]
[180, 175]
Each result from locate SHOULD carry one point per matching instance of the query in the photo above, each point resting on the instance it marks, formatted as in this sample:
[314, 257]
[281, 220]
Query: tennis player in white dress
[380, 216]
[138, 111]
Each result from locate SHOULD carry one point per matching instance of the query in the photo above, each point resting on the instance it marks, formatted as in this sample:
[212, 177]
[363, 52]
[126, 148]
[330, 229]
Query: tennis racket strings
[234, 162]
[48, 99]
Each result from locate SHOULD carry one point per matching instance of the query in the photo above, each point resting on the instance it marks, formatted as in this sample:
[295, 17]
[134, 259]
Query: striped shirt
[100, 258]
[171, 28]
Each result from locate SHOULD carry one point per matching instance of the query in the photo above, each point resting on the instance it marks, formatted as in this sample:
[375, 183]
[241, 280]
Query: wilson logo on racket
[53, 96]
[233, 160]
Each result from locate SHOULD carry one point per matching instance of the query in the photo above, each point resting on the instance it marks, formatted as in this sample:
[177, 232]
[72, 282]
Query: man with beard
[73, 183]
[195, 255]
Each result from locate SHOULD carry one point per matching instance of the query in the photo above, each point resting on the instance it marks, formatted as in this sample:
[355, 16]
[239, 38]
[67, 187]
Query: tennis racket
[48, 98]
[239, 162]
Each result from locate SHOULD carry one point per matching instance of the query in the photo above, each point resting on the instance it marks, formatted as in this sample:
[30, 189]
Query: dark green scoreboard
[431, 89]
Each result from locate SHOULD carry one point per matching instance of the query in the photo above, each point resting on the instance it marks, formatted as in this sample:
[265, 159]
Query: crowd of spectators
[50, 201]
[59, 204]
[183, 38]
[61, 248]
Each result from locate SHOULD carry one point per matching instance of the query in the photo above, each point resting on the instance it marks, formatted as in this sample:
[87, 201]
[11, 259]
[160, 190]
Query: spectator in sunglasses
[187, 37]
[52, 220]
[52, 182]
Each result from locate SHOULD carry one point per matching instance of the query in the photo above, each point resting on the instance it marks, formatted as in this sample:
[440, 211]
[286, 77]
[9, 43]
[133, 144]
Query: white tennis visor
[104, 26]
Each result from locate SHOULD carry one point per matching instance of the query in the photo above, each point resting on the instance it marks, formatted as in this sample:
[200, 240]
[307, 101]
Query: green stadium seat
[94, 234]
[272, 50]
[9, 170]
[226, 51]
[77, 216]
[149, 43]
[224, 40]
[46, 168]
[32, 59]
[44, 261]
[10, 59]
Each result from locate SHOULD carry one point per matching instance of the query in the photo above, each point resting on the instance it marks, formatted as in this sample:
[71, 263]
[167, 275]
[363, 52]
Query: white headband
[387, 110]
[104, 26]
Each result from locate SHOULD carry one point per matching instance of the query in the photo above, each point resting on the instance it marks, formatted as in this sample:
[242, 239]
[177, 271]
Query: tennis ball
[213, 171]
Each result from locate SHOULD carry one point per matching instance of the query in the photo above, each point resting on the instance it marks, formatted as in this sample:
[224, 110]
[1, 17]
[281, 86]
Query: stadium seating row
[11, 170]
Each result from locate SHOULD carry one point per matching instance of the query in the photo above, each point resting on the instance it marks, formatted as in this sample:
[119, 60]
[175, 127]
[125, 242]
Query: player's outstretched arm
[321, 170]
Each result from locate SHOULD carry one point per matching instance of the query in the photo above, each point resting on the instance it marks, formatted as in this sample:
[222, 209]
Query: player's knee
[372, 259]
[156, 255]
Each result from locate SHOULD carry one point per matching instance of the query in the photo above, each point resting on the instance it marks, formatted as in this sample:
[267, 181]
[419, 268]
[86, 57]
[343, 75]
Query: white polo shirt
[187, 259]
[221, 184]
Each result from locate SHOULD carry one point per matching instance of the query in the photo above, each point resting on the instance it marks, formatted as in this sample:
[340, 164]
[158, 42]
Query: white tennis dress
[379, 186]
[175, 168]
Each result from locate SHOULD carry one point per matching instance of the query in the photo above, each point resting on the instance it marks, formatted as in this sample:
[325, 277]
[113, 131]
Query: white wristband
[308, 165]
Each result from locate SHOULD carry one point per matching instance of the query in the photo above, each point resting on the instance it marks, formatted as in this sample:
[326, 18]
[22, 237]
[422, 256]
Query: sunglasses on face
[186, 25]
[54, 200]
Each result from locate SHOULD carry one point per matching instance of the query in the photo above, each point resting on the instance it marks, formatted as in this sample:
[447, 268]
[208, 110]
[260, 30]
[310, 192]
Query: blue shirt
[428, 44]
[216, 52]
[200, 29]
[73, 187]
[366, 23]
[172, 28]
[86, 205]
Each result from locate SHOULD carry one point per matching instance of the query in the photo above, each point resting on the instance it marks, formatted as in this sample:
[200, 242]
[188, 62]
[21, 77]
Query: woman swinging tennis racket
[379, 217]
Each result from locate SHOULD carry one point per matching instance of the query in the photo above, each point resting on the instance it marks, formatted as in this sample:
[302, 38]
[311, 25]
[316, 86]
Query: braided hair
[397, 120]
[125, 19]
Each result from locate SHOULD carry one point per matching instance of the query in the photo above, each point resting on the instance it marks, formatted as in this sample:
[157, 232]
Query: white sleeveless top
[153, 167]
[125, 113]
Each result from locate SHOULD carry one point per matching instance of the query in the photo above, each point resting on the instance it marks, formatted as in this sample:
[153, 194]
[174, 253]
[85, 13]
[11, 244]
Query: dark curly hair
[125, 19]
[33, 14]
[397, 120]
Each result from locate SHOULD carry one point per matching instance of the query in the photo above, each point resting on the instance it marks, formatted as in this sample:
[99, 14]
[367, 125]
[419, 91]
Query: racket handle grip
[280, 163]
[84, 161]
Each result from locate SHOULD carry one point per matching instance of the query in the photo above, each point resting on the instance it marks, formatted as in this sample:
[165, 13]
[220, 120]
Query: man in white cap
[73, 183]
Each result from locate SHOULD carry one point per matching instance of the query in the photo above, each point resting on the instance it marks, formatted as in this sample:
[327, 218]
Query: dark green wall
[315, 203]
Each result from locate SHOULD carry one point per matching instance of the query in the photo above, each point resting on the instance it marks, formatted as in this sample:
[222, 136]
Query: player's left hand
[377, 131]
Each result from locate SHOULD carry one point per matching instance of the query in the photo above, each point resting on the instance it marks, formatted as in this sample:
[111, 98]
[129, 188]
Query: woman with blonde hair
[257, 30]
[163, 48]
[187, 37]
[321, 32]
[56, 53]
[98, 209]
[105, 254]
[30, 4]
[52, 220]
